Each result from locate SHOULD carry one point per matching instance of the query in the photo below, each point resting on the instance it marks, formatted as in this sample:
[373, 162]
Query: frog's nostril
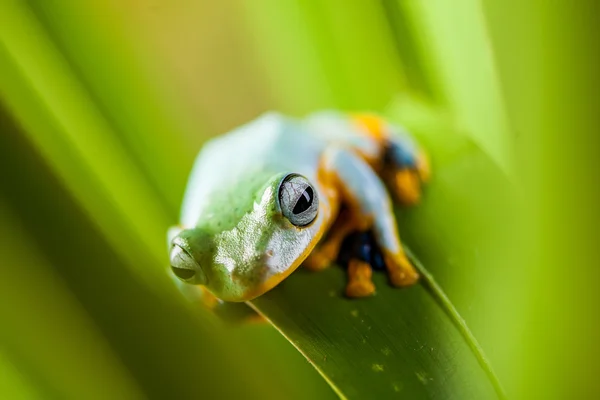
[183, 273]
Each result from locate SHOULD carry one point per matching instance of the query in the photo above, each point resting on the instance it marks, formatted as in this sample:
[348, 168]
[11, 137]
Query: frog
[280, 192]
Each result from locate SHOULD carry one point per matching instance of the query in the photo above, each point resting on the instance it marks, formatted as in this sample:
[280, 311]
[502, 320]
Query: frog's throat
[276, 279]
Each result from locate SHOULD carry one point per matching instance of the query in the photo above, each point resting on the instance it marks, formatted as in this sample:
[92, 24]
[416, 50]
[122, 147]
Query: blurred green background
[104, 105]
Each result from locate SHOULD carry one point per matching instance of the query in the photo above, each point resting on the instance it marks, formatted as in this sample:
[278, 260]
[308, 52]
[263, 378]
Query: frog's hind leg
[370, 205]
[405, 169]
[404, 166]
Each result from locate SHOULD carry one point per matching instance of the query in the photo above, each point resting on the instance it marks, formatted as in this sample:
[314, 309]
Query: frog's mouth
[269, 282]
[283, 257]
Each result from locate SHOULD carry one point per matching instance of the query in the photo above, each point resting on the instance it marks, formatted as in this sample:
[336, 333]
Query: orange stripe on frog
[375, 128]
[372, 125]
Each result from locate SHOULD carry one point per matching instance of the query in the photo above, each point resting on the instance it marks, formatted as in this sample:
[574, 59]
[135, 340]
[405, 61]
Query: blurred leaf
[407, 41]
[451, 48]
[410, 342]
[549, 65]
[325, 54]
[168, 346]
[103, 54]
[62, 120]
[90, 211]
[13, 384]
[38, 301]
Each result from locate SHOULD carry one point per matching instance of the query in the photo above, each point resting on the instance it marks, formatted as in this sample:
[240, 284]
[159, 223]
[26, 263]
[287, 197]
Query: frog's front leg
[370, 207]
[405, 172]
[346, 223]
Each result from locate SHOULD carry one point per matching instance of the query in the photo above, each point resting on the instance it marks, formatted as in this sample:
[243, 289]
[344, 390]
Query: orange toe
[400, 271]
[360, 289]
[407, 186]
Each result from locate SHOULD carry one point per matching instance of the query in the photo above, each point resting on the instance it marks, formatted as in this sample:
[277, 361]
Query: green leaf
[69, 297]
[328, 54]
[55, 308]
[14, 384]
[399, 342]
[62, 120]
[410, 342]
[109, 63]
[450, 43]
[87, 276]
[86, 105]
[466, 231]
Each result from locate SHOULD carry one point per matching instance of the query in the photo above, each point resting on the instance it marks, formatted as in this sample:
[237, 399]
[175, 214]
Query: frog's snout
[185, 267]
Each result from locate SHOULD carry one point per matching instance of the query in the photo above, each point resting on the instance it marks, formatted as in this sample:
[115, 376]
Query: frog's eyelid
[178, 253]
[278, 193]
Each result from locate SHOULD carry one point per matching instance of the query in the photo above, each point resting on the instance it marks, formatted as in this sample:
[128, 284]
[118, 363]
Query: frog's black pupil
[304, 202]
[183, 273]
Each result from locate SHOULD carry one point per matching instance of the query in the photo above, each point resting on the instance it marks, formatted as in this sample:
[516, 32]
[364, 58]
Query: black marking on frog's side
[361, 246]
[398, 157]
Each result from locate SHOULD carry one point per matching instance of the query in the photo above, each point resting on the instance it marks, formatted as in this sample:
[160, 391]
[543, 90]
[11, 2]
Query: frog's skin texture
[278, 191]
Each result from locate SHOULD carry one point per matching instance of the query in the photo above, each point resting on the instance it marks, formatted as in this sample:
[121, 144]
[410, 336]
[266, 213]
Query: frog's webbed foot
[229, 313]
[321, 257]
[400, 270]
[360, 254]
[405, 169]
[405, 184]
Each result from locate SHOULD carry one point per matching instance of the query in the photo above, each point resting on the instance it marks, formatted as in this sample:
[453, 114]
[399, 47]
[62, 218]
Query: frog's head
[256, 248]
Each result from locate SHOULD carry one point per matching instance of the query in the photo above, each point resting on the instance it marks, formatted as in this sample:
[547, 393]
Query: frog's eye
[182, 264]
[298, 200]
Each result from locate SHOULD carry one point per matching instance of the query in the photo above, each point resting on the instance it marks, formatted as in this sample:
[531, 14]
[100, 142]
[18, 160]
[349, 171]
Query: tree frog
[278, 192]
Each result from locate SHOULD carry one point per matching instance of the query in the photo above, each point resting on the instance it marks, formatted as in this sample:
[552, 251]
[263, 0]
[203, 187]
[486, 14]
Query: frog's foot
[210, 300]
[400, 270]
[321, 258]
[359, 284]
[406, 184]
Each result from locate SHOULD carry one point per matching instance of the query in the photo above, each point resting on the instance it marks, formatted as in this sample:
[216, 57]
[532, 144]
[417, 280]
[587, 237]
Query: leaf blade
[311, 311]
[369, 344]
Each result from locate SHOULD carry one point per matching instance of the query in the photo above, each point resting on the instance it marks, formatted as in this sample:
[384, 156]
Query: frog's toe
[402, 278]
[360, 289]
[400, 271]
[323, 256]
[359, 284]
[317, 261]
[407, 186]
